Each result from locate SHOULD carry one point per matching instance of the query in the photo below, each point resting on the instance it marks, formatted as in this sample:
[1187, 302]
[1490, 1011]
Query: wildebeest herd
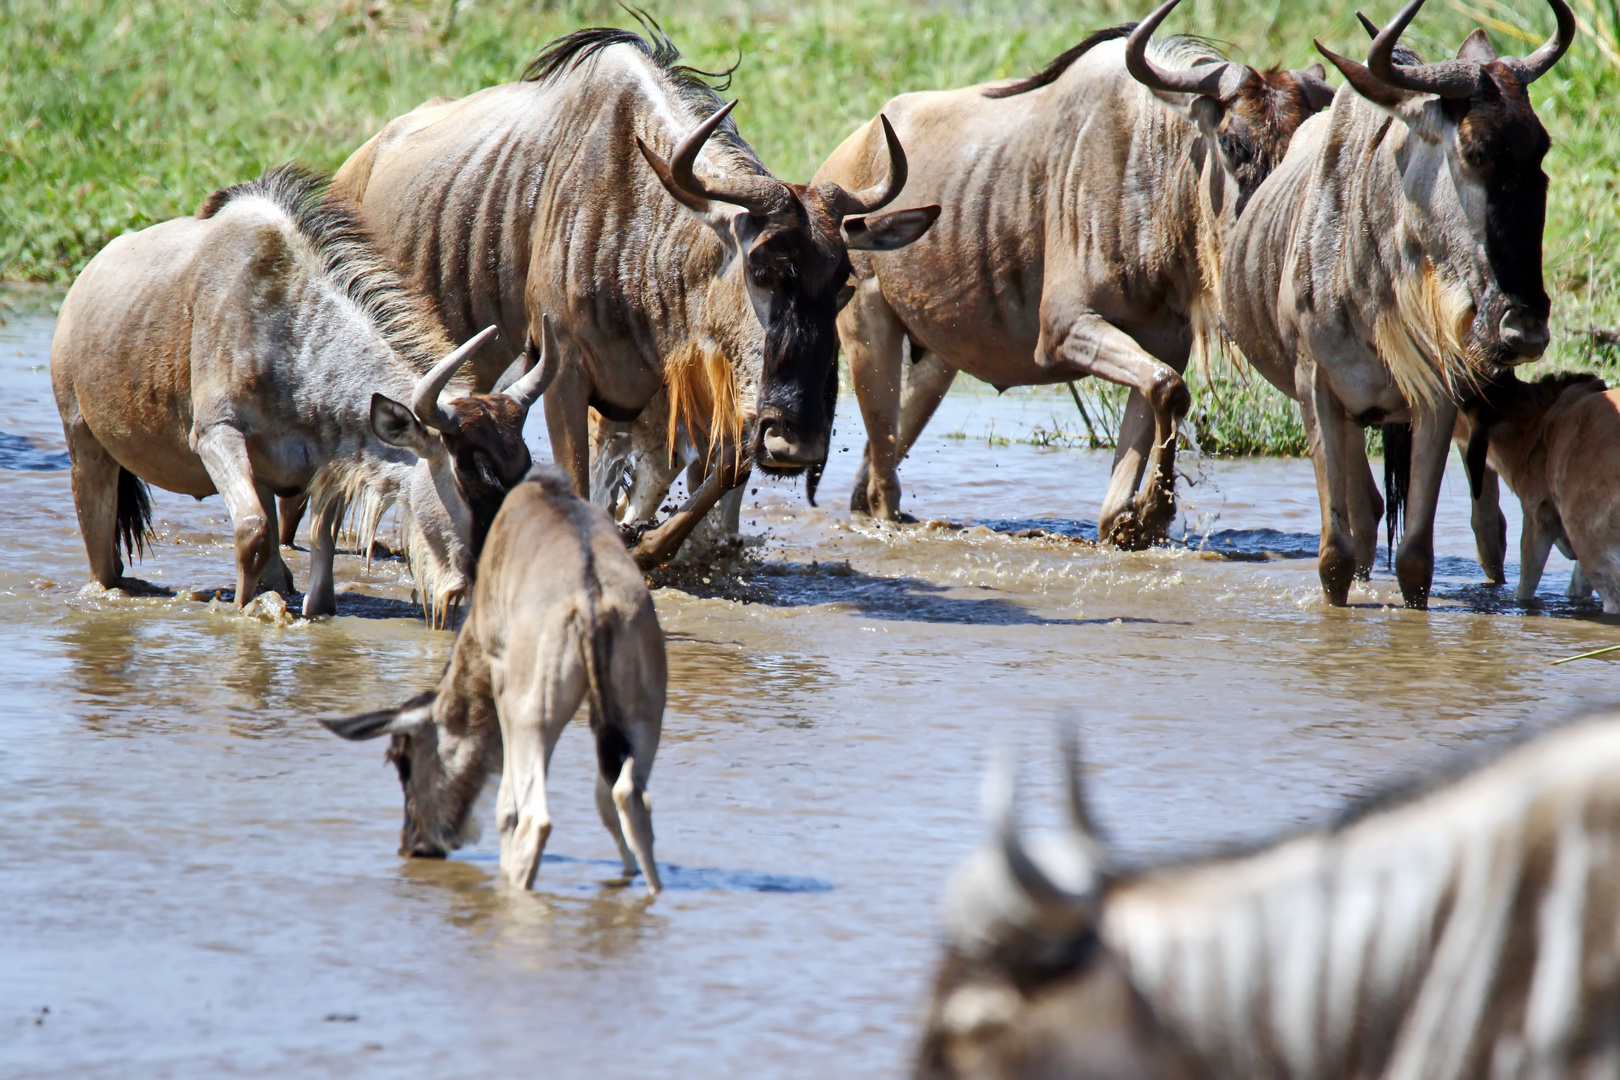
[599, 235]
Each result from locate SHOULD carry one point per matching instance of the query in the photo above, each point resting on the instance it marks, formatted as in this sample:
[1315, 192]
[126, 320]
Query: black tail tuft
[1397, 481]
[134, 513]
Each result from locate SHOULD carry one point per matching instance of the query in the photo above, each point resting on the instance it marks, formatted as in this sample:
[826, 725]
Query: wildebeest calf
[1556, 442]
[560, 613]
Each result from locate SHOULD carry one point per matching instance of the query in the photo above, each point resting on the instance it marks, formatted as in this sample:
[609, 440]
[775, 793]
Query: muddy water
[200, 881]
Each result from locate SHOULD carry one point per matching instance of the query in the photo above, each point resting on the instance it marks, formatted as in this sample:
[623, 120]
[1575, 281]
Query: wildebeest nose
[1524, 332]
[781, 448]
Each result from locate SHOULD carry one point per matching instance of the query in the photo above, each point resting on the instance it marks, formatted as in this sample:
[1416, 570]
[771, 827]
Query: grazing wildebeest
[1392, 257]
[559, 614]
[1081, 236]
[609, 188]
[262, 348]
[1556, 442]
[1468, 931]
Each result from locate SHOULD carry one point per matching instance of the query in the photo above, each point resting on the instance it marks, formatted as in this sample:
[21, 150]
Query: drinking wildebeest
[262, 348]
[1556, 442]
[1471, 930]
[1393, 256]
[560, 613]
[697, 273]
[1081, 236]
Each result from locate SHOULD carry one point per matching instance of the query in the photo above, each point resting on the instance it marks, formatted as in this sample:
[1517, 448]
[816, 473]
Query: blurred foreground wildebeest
[559, 613]
[1393, 256]
[263, 348]
[1081, 236]
[610, 188]
[1470, 931]
[1556, 442]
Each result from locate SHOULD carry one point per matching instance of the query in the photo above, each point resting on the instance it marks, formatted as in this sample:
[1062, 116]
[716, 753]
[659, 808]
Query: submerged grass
[115, 115]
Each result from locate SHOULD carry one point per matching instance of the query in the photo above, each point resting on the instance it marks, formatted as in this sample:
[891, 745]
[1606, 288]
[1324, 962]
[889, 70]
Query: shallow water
[200, 881]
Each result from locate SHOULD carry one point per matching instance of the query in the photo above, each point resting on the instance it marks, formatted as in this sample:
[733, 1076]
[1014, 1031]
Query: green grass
[117, 115]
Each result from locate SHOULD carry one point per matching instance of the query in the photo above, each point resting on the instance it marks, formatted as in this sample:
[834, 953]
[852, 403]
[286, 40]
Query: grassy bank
[116, 115]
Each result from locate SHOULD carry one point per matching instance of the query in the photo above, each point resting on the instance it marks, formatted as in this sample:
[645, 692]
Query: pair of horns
[762, 195]
[1005, 895]
[525, 391]
[1449, 78]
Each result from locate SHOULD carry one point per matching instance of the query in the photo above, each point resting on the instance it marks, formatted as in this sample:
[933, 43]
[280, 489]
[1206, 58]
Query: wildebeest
[1471, 930]
[1393, 256]
[560, 613]
[262, 348]
[610, 188]
[1081, 235]
[1556, 442]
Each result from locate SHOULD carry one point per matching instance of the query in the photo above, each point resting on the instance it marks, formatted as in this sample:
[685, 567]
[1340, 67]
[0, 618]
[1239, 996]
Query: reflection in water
[18, 453]
[198, 874]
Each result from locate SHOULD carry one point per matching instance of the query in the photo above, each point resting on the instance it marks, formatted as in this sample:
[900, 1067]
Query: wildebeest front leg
[1490, 528]
[1431, 446]
[873, 340]
[1094, 346]
[923, 385]
[660, 544]
[1535, 544]
[321, 598]
[568, 400]
[224, 454]
[1325, 429]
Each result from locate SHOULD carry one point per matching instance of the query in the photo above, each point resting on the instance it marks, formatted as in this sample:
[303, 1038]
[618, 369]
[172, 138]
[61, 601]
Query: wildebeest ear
[1477, 47]
[886, 232]
[396, 721]
[396, 425]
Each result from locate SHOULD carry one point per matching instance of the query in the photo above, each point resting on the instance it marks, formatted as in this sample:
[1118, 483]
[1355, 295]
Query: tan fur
[703, 395]
[1423, 339]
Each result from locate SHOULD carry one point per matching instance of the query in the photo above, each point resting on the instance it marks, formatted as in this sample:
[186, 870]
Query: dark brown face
[994, 1018]
[488, 455]
[797, 266]
[1260, 121]
[1502, 142]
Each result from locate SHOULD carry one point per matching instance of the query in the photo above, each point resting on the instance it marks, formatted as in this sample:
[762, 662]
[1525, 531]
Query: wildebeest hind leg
[609, 811]
[291, 512]
[95, 497]
[1094, 346]
[224, 454]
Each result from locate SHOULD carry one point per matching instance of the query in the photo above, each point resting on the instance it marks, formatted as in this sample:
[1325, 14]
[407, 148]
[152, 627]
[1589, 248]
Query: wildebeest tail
[1061, 63]
[596, 653]
[134, 513]
[1397, 481]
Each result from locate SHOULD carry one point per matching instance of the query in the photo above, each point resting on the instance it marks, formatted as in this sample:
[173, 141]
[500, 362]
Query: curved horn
[1047, 897]
[1219, 81]
[1367, 25]
[756, 194]
[527, 390]
[1552, 50]
[425, 398]
[884, 191]
[1448, 79]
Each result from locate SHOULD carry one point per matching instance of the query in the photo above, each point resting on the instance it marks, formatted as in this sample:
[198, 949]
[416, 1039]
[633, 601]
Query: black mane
[404, 319]
[1050, 73]
[695, 86]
